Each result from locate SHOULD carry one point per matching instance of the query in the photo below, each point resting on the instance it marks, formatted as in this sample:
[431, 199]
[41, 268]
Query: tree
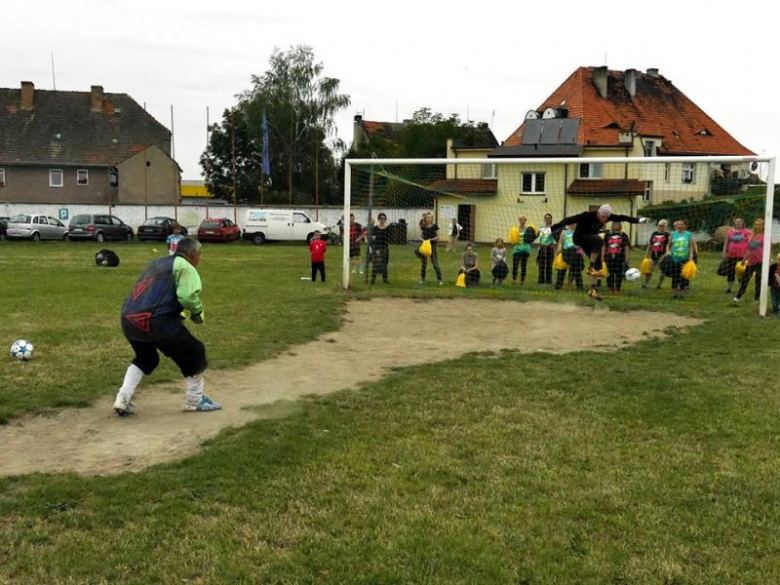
[425, 135]
[300, 104]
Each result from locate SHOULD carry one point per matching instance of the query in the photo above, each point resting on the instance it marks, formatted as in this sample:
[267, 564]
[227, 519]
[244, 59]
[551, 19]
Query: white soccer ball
[22, 350]
[632, 274]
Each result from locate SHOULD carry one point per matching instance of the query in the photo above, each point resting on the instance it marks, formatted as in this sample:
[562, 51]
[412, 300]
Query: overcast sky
[492, 61]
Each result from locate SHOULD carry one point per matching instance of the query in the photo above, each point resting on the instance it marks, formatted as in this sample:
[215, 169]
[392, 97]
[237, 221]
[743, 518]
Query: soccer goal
[481, 200]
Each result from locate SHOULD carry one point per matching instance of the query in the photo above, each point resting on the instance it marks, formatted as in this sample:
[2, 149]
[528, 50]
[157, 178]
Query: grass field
[653, 464]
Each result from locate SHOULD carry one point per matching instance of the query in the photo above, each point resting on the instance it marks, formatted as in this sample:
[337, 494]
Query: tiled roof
[626, 187]
[62, 129]
[467, 187]
[386, 130]
[657, 109]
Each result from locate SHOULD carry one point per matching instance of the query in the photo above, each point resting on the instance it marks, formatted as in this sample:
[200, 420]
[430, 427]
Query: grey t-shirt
[469, 260]
[498, 255]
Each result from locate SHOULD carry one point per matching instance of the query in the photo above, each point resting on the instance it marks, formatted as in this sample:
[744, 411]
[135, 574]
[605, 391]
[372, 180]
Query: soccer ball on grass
[22, 350]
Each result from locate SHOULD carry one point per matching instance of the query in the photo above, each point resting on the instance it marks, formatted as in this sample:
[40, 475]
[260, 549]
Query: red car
[218, 229]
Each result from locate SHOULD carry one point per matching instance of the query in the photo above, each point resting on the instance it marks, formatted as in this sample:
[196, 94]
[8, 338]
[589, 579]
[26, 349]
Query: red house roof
[657, 109]
[622, 187]
[467, 187]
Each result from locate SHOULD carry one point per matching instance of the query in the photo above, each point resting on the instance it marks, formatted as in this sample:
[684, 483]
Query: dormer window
[704, 132]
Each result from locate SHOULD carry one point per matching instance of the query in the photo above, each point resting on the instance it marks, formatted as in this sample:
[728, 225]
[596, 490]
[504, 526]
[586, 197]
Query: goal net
[517, 205]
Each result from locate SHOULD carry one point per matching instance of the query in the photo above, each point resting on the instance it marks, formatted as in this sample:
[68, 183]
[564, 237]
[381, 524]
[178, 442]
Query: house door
[466, 218]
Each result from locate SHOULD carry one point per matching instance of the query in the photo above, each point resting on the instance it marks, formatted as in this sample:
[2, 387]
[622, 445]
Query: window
[489, 171]
[649, 147]
[54, 221]
[115, 220]
[591, 170]
[533, 183]
[82, 177]
[667, 172]
[648, 194]
[113, 177]
[2, 177]
[300, 218]
[55, 178]
[688, 173]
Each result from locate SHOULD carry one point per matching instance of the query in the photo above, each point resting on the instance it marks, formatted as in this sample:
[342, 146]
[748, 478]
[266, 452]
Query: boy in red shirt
[318, 248]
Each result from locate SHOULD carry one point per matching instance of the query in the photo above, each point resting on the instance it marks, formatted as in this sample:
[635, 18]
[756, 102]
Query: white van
[262, 225]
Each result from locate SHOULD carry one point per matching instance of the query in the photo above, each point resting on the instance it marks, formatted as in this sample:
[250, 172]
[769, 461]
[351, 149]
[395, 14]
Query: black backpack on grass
[107, 258]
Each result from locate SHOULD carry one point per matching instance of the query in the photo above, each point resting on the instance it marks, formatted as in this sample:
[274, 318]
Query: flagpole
[233, 154]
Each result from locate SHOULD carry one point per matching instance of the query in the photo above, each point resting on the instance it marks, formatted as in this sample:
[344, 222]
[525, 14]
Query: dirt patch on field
[384, 333]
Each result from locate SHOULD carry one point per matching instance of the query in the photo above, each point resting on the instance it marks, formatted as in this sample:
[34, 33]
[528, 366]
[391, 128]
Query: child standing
[318, 247]
[682, 248]
[521, 252]
[616, 256]
[546, 253]
[470, 265]
[754, 259]
[499, 268]
[774, 285]
[572, 255]
[656, 248]
[454, 233]
[734, 249]
[174, 239]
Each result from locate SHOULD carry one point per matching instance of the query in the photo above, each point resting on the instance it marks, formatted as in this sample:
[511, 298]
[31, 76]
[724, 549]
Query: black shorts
[589, 243]
[354, 251]
[183, 348]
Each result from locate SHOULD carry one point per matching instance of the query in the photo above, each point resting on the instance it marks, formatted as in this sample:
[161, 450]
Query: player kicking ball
[152, 320]
[586, 236]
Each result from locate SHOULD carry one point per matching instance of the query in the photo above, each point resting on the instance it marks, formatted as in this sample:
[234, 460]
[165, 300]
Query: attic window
[115, 140]
[704, 132]
[58, 136]
[117, 111]
[675, 133]
[613, 125]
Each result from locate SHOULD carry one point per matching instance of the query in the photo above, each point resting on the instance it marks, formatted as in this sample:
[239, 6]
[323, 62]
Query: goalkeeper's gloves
[197, 318]
[644, 220]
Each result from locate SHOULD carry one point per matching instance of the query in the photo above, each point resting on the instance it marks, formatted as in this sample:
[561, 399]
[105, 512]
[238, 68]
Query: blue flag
[266, 164]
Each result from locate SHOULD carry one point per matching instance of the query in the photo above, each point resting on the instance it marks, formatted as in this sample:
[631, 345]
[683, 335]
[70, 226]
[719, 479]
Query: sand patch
[385, 333]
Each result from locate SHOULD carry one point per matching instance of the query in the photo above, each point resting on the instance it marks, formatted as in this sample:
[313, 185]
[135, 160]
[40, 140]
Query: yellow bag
[646, 267]
[514, 235]
[689, 270]
[739, 269]
[559, 263]
[461, 280]
[425, 249]
[604, 268]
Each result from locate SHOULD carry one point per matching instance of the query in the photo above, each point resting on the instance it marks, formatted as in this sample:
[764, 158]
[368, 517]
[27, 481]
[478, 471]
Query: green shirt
[681, 246]
[568, 240]
[188, 285]
[546, 239]
[521, 247]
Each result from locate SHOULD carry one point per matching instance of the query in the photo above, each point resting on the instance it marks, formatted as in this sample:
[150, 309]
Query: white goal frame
[768, 207]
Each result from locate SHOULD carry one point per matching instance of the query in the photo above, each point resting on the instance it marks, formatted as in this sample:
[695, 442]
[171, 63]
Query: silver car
[35, 228]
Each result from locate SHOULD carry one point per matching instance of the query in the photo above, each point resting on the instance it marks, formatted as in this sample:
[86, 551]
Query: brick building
[83, 147]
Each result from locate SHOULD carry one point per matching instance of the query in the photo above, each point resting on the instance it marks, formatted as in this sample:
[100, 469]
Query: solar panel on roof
[550, 131]
[533, 131]
[569, 131]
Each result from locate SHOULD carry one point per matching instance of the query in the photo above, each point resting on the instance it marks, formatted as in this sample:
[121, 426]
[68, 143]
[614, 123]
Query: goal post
[483, 198]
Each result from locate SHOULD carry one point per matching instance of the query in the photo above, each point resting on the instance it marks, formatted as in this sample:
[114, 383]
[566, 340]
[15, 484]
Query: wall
[158, 183]
[191, 215]
[31, 184]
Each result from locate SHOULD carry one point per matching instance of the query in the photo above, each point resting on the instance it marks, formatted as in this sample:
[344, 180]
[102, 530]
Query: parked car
[35, 228]
[3, 226]
[99, 228]
[262, 225]
[218, 229]
[158, 228]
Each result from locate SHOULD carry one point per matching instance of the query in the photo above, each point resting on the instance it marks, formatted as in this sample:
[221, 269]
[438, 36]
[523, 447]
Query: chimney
[96, 98]
[358, 118]
[28, 92]
[652, 72]
[600, 80]
[631, 82]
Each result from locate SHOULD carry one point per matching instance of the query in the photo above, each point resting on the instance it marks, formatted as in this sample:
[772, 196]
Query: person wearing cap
[589, 223]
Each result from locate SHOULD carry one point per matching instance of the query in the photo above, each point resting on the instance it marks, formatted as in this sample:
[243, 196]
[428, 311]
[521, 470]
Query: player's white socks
[133, 377]
[194, 389]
